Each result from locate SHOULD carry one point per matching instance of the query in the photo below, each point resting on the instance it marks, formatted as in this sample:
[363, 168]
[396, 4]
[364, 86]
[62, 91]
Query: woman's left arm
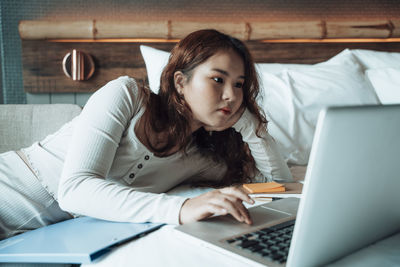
[263, 149]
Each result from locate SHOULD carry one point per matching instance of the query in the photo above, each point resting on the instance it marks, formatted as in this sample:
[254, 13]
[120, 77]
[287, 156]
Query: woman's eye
[218, 80]
[239, 85]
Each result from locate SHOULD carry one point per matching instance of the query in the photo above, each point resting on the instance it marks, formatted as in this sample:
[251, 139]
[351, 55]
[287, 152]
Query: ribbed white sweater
[96, 166]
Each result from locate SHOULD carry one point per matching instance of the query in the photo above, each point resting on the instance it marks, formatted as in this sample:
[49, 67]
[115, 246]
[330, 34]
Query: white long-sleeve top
[96, 166]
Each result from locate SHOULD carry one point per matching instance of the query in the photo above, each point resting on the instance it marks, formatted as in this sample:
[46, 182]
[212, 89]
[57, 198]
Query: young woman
[129, 146]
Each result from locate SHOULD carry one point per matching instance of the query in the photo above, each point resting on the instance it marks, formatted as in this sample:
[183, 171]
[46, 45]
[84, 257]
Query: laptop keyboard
[271, 242]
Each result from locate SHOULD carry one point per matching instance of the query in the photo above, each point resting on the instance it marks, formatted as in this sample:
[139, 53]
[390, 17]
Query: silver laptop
[350, 197]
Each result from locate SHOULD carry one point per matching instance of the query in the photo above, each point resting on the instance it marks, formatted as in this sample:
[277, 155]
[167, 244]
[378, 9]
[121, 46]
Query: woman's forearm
[263, 149]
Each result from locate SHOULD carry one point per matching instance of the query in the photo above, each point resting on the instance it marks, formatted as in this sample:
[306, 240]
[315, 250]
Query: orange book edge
[270, 187]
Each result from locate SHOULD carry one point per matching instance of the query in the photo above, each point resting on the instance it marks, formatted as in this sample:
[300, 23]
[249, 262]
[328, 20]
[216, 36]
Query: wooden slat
[129, 29]
[290, 29]
[309, 53]
[43, 72]
[42, 64]
[360, 29]
[396, 28]
[39, 30]
[180, 29]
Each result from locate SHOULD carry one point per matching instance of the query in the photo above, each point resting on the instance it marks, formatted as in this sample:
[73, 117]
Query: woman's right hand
[222, 201]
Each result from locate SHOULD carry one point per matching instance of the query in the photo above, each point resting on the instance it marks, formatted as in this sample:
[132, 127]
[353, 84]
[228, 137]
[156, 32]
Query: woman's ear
[179, 81]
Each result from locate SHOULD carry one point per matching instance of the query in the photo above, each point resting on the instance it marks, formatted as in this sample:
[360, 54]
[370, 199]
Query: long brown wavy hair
[168, 111]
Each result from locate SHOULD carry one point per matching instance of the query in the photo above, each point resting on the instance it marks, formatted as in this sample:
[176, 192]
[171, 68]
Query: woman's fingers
[217, 202]
[237, 192]
[233, 205]
[241, 195]
[217, 210]
[230, 205]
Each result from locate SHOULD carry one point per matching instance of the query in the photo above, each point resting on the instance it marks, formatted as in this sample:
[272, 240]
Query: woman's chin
[215, 128]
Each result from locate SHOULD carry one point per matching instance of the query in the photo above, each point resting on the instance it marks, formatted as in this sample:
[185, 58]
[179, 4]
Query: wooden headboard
[114, 46]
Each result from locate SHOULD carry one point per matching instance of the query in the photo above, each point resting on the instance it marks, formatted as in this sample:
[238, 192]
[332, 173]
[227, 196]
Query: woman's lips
[225, 111]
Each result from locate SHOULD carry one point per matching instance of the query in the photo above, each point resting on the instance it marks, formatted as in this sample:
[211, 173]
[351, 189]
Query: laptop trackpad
[274, 211]
[263, 214]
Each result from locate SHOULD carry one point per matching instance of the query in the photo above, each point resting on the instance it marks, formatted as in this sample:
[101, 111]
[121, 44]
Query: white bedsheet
[165, 248]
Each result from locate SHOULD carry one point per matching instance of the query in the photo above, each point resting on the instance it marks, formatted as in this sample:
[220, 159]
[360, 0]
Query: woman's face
[214, 91]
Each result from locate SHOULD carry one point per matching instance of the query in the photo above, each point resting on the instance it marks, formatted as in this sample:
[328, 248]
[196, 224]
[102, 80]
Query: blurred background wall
[12, 11]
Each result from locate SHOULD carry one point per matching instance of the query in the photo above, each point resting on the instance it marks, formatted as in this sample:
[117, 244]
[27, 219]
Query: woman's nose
[228, 93]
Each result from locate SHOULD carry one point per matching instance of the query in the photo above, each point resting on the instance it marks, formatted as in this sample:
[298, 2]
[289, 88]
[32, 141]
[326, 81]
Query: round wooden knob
[78, 65]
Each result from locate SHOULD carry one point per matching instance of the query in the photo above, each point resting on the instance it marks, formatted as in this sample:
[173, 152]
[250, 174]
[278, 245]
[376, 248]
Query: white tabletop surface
[165, 247]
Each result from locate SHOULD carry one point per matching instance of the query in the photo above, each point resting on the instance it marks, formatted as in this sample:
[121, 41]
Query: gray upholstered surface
[21, 125]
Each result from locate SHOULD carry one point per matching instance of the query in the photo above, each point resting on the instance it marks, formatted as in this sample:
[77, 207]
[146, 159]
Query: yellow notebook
[269, 187]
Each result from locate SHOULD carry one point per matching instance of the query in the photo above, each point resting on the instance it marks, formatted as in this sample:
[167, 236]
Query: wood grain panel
[42, 60]
[42, 65]
[309, 52]
[244, 30]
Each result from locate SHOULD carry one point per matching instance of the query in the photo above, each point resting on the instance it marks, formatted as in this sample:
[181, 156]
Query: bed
[324, 64]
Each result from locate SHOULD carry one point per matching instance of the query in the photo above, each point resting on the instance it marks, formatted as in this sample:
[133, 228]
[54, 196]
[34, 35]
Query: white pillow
[276, 68]
[155, 61]
[293, 99]
[344, 57]
[334, 82]
[386, 83]
[371, 59]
